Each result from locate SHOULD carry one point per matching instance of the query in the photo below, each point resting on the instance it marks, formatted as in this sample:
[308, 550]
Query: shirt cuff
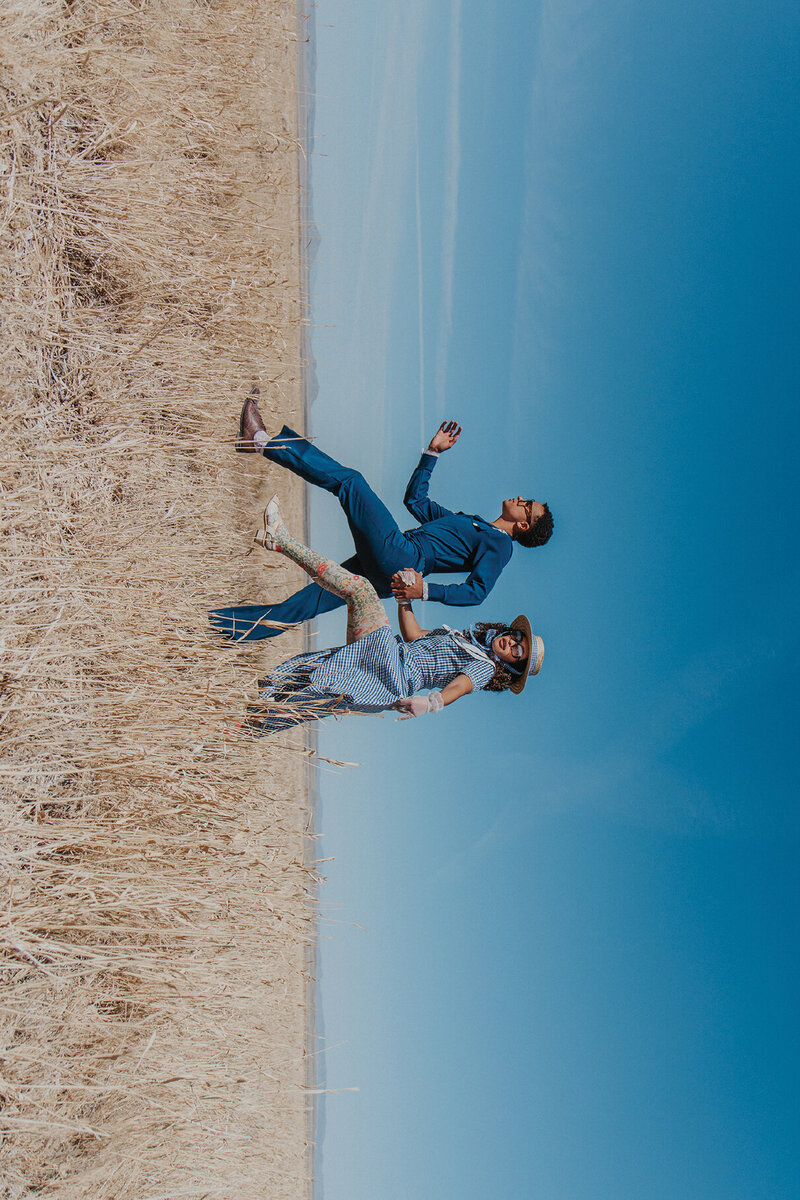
[433, 453]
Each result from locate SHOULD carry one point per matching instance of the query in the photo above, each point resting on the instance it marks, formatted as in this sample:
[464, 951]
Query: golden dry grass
[158, 907]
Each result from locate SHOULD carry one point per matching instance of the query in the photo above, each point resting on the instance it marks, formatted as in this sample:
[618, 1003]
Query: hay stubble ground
[158, 907]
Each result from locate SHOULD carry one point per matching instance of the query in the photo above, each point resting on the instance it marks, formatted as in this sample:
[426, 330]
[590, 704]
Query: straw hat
[534, 664]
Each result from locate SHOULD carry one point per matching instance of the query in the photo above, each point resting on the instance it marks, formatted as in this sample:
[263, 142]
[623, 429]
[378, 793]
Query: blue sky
[558, 936]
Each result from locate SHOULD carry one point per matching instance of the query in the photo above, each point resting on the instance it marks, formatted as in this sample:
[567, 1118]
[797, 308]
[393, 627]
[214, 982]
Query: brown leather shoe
[249, 424]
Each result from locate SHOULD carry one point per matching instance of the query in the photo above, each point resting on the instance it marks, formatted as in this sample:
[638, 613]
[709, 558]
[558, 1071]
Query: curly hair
[502, 679]
[540, 531]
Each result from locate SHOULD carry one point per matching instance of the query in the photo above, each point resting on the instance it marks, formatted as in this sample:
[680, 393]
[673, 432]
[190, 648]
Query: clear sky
[559, 934]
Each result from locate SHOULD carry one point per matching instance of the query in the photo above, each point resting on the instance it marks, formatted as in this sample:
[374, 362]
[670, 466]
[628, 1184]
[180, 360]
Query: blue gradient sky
[558, 937]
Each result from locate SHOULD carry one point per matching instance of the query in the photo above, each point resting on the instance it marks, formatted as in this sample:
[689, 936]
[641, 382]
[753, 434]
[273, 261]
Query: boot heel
[272, 522]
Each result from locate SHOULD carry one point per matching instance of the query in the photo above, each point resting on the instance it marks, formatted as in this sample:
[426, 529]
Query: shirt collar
[478, 521]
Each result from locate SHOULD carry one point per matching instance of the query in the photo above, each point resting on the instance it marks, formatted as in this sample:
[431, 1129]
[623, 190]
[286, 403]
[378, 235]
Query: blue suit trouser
[381, 547]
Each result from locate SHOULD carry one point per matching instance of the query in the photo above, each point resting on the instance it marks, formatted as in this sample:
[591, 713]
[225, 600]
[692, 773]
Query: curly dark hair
[540, 531]
[502, 679]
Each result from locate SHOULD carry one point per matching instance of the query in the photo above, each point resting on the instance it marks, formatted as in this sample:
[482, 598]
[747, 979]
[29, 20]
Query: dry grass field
[157, 873]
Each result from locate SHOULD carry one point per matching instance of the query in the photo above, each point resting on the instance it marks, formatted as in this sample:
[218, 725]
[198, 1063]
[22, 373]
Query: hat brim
[534, 664]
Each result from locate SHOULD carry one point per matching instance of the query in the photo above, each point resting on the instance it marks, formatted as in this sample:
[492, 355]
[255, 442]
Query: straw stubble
[158, 923]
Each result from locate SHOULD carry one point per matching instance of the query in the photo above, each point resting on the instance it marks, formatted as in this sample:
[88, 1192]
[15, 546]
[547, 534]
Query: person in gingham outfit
[445, 542]
[376, 671]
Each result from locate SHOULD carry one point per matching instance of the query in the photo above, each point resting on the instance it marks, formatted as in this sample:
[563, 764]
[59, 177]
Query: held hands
[445, 437]
[407, 585]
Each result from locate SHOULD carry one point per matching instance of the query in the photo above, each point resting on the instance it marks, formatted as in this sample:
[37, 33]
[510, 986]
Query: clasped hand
[402, 589]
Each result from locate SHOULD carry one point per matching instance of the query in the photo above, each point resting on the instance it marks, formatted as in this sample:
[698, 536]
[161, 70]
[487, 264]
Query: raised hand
[445, 437]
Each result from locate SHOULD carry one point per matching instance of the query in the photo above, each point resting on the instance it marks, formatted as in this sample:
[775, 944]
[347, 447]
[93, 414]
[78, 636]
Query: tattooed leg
[365, 612]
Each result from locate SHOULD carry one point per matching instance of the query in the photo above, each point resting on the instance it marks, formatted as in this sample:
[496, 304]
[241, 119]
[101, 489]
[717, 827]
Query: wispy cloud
[506, 823]
[369, 219]
[382, 224]
[452, 172]
[633, 780]
[420, 305]
[562, 78]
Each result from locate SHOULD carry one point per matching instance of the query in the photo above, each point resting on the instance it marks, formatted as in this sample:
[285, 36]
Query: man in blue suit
[444, 542]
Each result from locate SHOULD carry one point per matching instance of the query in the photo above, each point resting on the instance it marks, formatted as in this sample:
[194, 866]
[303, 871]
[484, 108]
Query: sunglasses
[518, 649]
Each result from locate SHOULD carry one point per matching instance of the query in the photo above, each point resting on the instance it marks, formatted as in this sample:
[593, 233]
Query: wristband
[424, 589]
[435, 702]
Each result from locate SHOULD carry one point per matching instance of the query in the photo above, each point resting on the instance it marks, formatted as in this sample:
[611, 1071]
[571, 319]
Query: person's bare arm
[456, 688]
[409, 625]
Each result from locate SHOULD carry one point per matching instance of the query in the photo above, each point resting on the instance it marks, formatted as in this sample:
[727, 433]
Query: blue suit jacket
[454, 541]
